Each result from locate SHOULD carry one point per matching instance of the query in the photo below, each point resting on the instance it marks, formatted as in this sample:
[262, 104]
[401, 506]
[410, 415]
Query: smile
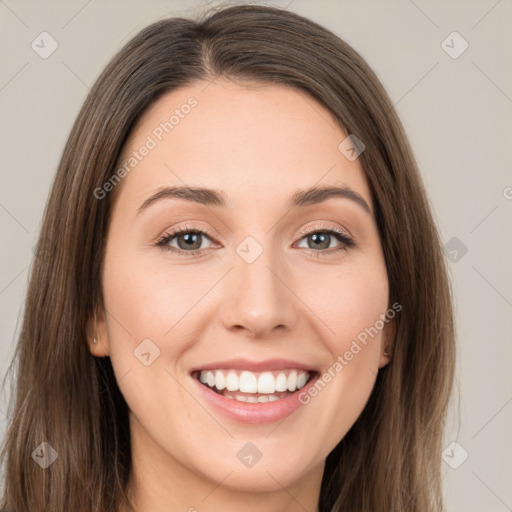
[254, 387]
[247, 391]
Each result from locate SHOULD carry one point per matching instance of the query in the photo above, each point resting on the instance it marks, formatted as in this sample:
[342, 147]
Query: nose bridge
[259, 299]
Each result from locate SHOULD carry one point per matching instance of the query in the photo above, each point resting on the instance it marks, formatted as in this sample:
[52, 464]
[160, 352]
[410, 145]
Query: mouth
[254, 387]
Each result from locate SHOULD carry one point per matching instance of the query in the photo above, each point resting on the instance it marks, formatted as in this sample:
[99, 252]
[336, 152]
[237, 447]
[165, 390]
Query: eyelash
[341, 236]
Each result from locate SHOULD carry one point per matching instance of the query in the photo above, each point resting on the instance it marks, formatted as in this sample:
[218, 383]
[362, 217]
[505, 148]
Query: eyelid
[172, 232]
[314, 229]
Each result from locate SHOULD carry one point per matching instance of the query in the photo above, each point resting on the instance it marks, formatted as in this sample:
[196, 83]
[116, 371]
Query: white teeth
[262, 398]
[232, 383]
[248, 382]
[301, 380]
[292, 381]
[266, 383]
[281, 382]
[220, 381]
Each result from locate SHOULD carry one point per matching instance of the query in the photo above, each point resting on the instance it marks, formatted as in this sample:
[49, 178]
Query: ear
[387, 342]
[97, 330]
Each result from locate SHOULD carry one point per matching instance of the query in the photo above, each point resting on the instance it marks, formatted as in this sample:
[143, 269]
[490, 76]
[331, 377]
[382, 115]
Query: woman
[239, 297]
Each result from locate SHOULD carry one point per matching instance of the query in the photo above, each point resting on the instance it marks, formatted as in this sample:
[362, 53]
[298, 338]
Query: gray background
[456, 111]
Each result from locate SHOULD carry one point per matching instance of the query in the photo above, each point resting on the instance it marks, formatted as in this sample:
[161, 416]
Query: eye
[189, 240]
[321, 239]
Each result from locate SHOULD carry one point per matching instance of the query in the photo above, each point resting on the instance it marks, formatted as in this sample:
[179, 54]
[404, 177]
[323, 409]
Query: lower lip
[254, 413]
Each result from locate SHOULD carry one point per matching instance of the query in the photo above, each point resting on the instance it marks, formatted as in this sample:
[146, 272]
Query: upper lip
[254, 366]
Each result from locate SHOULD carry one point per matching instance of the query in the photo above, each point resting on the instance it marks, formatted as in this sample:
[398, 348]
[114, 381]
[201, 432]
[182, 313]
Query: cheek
[349, 306]
[148, 310]
[149, 301]
[348, 303]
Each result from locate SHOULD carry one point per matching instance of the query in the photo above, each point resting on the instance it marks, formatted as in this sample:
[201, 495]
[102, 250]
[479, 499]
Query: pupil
[191, 239]
[316, 237]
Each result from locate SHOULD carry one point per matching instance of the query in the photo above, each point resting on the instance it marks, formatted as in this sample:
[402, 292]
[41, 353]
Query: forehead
[254, 141]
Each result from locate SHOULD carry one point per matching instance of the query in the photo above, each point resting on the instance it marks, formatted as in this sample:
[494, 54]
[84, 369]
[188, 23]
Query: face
[264, 290]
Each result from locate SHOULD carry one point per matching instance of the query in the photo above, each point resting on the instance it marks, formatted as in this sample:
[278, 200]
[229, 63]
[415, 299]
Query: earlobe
[388, 340]
[385, 357]
[97, 335]
[98, 348]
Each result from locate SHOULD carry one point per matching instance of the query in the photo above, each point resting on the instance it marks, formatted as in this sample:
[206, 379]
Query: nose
[258, 300]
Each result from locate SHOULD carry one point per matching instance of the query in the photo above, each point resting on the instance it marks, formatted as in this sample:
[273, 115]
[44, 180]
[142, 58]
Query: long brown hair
[390, 458]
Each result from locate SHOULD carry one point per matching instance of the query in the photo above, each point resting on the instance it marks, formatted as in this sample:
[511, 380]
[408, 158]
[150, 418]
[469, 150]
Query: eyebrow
[211, 197]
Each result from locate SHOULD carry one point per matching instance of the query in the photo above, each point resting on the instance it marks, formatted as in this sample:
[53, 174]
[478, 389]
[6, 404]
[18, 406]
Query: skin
[258, 145]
